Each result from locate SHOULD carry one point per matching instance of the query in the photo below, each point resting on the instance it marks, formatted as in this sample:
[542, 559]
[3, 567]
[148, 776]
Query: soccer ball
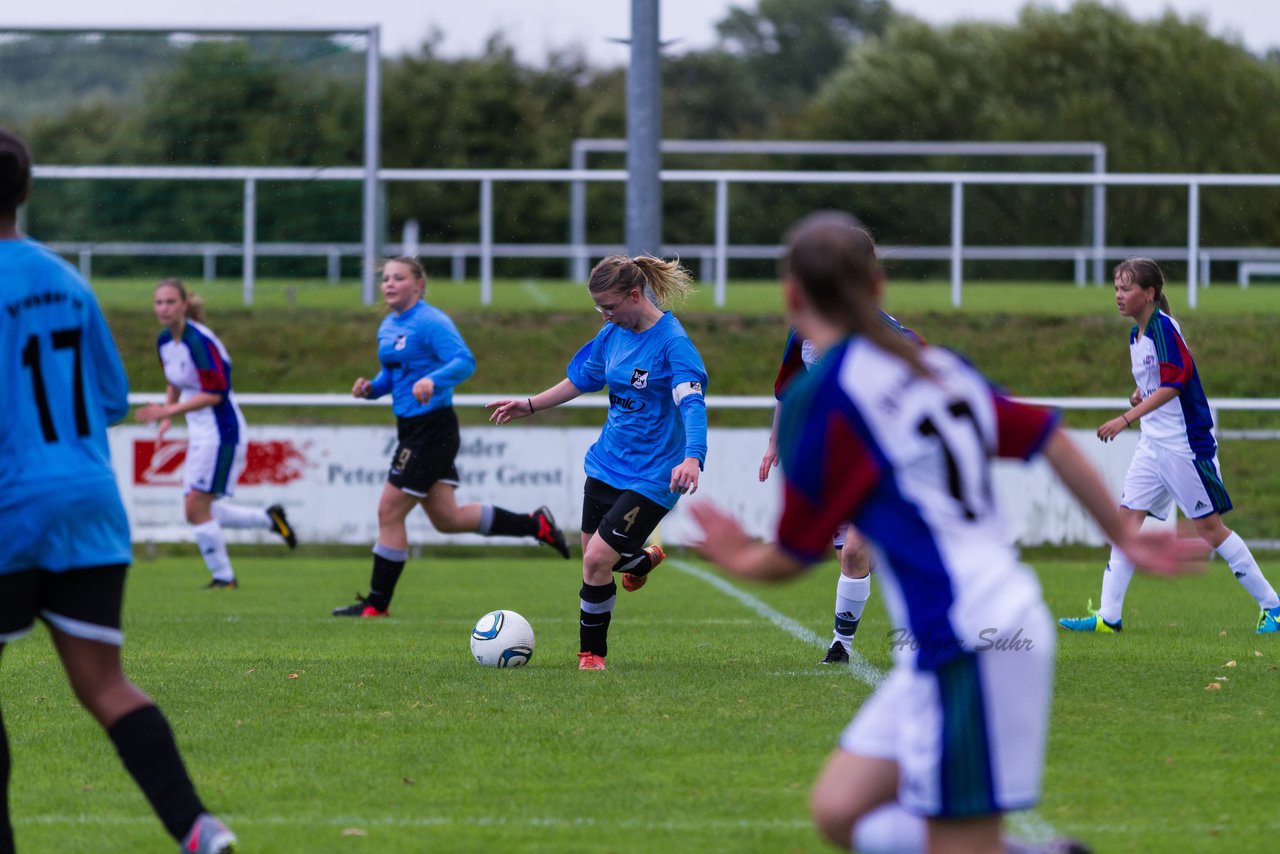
[502, 639]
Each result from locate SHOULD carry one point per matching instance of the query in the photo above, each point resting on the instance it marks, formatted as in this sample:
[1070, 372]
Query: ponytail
[195, 302]
[666, 283]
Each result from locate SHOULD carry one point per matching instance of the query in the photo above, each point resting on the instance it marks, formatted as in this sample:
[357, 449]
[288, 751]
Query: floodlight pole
[644, 132]
[372, 147]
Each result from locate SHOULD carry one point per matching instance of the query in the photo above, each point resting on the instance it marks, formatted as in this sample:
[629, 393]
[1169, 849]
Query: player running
[422, 358]
[899, 440]
[64, 536]
[197, 369]
[1176, 460]
[654, 442]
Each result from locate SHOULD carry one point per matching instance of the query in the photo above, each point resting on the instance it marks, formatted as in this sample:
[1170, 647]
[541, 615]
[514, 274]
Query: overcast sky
[537, 26]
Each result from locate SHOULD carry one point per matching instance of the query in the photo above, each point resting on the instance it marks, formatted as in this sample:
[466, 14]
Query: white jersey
[1160, 358]
[197, 362]
[907, 460]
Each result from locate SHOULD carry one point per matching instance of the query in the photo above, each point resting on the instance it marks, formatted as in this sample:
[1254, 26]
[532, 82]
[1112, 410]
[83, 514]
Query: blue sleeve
[109, 376]
[688, 387]
[379, 385]
[450, 349]
[586, 368]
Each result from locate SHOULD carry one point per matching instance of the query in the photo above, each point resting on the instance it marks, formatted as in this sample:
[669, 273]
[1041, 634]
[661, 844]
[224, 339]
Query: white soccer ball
[502, 639]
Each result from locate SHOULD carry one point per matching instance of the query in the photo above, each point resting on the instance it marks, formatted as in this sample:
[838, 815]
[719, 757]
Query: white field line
[533, 290]
[1027, 825]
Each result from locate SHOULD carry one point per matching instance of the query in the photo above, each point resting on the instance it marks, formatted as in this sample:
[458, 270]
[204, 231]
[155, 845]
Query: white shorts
[1158, 477]
[969, 738]
[213, 467]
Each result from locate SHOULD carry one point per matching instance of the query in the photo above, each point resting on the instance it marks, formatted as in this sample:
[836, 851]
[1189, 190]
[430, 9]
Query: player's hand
[1163, 553]
[151, 412]
[423, 390]
[684, 477]
[1136, 397]
[769, 461]
[723, 540]
[361, 388]
[509, 410]
[163, 427]
[1112, 428]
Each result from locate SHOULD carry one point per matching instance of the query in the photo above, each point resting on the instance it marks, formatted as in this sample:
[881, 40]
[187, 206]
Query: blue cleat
[1269, 621]
[1094, 623]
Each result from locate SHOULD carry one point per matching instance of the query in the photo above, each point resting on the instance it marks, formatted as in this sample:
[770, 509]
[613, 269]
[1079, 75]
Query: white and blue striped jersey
[907, 460]
[1160, 358]
[421, 341]
[657, 412]
[198, 362]
[63, 384]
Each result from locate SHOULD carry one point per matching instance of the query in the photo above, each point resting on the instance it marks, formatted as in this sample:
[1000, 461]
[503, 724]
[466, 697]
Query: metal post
[722, 240]
[578, 215]
[409, 238]
[1193, 239]
[250, 235]
[372, 147]
[458, 267]
[957, 242]
[1099, 216]
[335, 266]
[486, 241]
[210, 264]
[644, 132]
[86, 263]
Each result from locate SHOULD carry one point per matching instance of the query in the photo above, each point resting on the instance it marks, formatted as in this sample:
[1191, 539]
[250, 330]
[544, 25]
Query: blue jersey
[420, 342]
[657, 413]
[64, 384]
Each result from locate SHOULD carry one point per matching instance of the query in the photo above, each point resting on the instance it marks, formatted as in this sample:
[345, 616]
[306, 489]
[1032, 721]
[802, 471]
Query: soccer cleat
[1091, 623]
[837, 654]
[280, 524]
[590, 661]
[549, 533]
[219, 584]
[632, 582]
[1269, 621]
[361, 608]
[209, 836]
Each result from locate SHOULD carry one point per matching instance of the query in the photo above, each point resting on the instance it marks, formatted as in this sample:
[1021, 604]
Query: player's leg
[82, 608]
[488, 520]
[273, 518]
[389, 554]
[852, 591]
[860, 792]
[210, 540]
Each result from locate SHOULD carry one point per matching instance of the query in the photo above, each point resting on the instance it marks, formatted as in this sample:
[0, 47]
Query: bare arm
[1116, 426]
[771, 453]
[1158, 553]
[511, 409]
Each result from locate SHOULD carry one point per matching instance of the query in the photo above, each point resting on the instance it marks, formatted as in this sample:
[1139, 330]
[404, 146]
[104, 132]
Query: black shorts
[426, 453]
[624, 519]
[83, 603]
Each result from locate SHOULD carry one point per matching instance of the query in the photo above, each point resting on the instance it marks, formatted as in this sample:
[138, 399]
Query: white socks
[231, 516]
[851, 600]
[213, 548]
[1245, 568]
[1115, 581]
[889, 830]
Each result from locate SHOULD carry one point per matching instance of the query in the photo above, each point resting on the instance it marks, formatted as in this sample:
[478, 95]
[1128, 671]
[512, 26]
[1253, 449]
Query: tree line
[1163, 95]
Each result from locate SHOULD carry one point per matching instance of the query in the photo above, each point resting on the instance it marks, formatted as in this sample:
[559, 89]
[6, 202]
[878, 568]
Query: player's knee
[832, 816]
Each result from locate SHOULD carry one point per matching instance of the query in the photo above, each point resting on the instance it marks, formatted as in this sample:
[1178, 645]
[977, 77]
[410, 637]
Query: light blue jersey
[657, 413]
[63, 384]
[420, 342]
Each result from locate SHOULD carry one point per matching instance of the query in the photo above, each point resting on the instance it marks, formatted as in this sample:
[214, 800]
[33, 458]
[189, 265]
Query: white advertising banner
[329, 480]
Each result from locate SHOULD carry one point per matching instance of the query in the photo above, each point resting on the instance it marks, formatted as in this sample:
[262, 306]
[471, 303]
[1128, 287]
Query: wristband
[529, 400]
[1127, 423]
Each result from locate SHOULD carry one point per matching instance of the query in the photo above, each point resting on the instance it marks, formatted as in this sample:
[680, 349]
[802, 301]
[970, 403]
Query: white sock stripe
[597, 607]
[81, 629]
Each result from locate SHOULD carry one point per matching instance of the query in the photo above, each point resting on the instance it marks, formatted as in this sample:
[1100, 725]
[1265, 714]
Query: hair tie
[529, 400]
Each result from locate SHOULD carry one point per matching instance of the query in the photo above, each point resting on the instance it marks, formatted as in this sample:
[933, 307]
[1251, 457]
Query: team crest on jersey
[400, 342]
[639, 378]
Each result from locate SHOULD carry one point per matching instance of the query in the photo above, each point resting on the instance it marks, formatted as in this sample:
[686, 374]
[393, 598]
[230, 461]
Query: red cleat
[590, 661]
[632, 582]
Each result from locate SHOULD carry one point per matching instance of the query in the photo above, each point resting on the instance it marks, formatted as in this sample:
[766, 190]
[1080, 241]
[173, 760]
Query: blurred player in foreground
[64, 537]
[898, 439]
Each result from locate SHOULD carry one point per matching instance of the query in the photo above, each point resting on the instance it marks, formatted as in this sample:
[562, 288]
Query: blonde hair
[666, 283]
[833, 260]
[195, 302]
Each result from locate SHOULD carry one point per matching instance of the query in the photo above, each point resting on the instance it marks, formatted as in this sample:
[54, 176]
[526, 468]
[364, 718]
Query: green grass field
[743, 297]
[314, 734]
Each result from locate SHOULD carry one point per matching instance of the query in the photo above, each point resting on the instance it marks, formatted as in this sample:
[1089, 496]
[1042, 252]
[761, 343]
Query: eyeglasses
[609, 310]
